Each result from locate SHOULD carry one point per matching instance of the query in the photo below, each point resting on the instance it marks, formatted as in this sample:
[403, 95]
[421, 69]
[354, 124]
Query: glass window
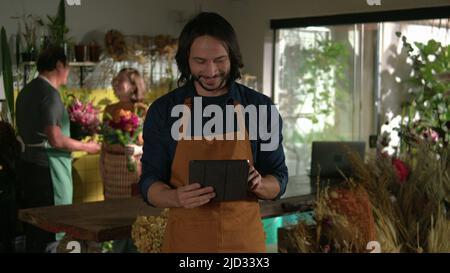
[316, 91]
[341, 83]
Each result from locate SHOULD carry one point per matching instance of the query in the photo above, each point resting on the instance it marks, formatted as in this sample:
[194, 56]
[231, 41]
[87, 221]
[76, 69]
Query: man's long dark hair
[211, 24]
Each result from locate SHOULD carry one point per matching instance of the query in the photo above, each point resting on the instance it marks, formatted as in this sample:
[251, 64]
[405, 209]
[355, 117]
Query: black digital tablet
[227, 177]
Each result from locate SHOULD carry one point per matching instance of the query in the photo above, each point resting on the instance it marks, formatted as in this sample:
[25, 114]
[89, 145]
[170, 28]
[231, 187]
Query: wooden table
[96, 221]
[113, 219]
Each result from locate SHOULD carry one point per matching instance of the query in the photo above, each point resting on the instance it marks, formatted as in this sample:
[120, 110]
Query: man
[209, 60]
[44, 128]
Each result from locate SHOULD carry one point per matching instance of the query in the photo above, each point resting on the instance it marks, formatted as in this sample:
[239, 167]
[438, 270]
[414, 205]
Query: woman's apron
[233, 226]
[60, 164]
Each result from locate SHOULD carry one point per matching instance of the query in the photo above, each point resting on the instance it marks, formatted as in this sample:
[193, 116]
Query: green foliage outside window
[429, 85]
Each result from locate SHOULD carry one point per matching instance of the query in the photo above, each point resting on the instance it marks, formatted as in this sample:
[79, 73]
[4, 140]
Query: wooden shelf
[85, 64]
[81, 65]
[29, 63]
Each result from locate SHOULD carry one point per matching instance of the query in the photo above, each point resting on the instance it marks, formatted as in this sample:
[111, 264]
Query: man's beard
[221, 85]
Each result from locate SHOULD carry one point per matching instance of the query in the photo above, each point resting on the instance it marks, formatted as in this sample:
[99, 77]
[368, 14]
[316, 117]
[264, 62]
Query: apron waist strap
[23, 145]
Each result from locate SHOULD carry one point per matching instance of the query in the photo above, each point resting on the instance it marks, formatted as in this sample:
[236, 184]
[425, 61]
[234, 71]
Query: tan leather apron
[217, 226]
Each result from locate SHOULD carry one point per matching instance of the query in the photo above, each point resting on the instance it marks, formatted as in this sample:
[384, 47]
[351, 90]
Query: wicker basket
[118, 181]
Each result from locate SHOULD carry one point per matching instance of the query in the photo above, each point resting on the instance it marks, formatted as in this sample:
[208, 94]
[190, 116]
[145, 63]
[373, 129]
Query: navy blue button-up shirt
[159, 146]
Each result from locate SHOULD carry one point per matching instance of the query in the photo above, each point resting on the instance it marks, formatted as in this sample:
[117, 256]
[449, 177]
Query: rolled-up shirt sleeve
[270, 158]
[155, 159]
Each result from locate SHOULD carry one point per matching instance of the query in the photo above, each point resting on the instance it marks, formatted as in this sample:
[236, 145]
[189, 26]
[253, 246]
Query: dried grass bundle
[344, 223]
[438, 237]
[409, 213]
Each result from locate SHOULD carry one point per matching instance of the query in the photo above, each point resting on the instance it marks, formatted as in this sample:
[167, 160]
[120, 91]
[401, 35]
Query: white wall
[95, 17]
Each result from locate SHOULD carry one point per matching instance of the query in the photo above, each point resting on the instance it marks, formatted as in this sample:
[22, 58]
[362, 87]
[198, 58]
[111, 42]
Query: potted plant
[81, 53]
[57, 28]
[31, 24]
[94, 52]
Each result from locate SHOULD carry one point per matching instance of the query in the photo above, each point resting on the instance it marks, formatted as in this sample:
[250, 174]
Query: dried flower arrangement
[148, 232]
[408, 198]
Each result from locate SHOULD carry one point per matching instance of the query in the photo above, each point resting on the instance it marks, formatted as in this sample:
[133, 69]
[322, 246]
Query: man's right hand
[92, 147]
[193, 195]
[59, 141]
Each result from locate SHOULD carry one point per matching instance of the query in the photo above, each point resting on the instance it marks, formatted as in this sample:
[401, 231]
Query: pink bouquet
[84, 119]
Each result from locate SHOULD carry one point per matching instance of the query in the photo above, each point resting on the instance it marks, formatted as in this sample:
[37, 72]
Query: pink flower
[434, 136]
[85, 115]
[401, 170]
[430, 134]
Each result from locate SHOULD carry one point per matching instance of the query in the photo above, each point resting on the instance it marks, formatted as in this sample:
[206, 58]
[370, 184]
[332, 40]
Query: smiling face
[122, 86]
[209, 64]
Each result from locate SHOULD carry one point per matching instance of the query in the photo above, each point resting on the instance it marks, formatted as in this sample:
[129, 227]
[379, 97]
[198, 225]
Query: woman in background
[119, 182]
[129, 87]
